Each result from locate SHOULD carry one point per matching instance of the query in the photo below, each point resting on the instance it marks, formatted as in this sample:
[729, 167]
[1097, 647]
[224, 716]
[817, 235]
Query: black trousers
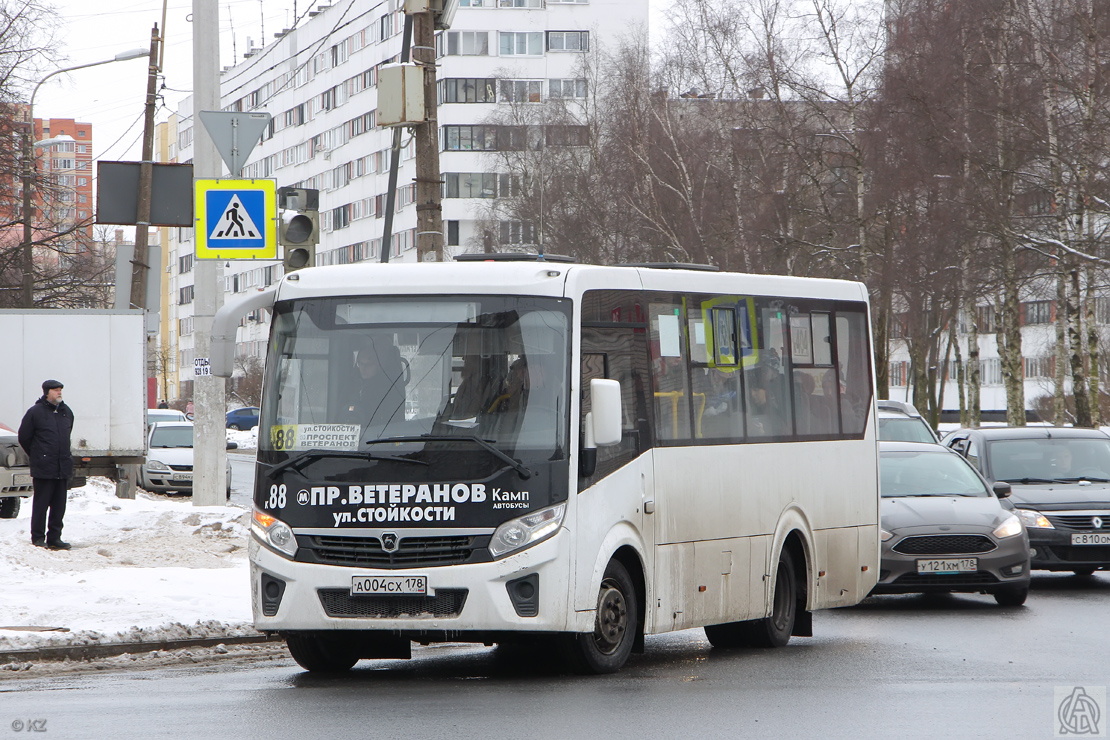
[50, 494]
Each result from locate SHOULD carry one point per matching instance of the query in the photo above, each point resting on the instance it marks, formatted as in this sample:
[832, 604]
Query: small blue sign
[234, 219]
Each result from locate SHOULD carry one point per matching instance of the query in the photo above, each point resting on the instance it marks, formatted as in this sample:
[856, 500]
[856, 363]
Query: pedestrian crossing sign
[235, 219]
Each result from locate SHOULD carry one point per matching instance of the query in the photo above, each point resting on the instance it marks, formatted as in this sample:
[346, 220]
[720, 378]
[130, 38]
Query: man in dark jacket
[44, 434]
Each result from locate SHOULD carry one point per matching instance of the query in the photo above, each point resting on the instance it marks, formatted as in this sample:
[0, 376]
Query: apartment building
[319, 82]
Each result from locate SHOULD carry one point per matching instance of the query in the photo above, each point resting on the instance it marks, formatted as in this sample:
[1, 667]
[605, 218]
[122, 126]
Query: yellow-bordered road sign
[235, 219]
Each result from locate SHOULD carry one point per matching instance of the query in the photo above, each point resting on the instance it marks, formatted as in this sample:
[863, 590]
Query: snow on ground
[152, 568]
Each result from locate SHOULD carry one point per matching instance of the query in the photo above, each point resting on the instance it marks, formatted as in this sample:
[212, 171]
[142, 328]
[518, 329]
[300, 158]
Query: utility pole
[140, 259]
[210, 439]
[429, 208]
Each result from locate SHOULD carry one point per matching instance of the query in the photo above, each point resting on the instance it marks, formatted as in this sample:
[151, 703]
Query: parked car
[169, 460]
[901, 422]
[1061, 488]
[15, 474]
[944, 529]
[243, 419]
[156, 415]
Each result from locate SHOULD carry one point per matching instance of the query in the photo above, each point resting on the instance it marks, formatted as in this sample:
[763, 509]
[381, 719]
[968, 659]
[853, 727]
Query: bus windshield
[385, 376]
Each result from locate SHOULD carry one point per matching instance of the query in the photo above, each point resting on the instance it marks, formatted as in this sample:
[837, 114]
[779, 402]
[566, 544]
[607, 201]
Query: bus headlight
[527, 530]
[273, 533]
[1034, 519]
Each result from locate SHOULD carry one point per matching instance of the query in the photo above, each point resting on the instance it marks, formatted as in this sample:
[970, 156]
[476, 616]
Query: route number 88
[277, 497]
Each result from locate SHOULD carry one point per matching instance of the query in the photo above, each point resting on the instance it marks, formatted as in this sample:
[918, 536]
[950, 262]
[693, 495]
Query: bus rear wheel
[616, 625]
[320, 653]
[772, 631]
[9, 507]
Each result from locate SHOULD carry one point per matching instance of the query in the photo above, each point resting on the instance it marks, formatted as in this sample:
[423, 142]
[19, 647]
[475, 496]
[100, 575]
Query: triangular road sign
[234, 223]
[235, 134]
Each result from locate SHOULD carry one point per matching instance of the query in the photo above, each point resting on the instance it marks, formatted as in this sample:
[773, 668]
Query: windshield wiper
[1082, 477]
[518, 466]
[300, 461]
[1027, 481]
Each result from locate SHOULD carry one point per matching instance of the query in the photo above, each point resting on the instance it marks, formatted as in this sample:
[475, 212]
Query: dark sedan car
[243, 419]
[1061, 483]
[945, 529]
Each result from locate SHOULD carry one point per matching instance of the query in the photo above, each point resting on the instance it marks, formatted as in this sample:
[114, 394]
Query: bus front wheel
[321, 654]
[772, 631]
[616, 625]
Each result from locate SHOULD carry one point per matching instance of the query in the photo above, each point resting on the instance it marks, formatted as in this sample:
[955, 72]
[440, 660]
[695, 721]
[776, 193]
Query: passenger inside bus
[380, 387]
[475, 391]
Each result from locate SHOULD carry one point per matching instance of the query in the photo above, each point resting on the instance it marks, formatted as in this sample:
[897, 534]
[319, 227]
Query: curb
[107, 650]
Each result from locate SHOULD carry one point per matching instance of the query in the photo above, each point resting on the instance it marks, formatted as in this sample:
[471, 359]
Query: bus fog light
[527, 530]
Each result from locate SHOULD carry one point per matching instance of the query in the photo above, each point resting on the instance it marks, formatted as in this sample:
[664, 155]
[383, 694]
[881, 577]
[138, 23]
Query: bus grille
[447, 602]
[411, 551]
[945, 544]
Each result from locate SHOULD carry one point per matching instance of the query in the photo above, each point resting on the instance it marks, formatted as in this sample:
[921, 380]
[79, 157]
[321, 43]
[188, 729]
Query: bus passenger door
[617, 495]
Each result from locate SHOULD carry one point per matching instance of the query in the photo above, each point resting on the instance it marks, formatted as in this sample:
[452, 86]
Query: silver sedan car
[945, 529]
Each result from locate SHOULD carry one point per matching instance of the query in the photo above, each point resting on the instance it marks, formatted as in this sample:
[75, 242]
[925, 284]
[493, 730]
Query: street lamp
[29, 170]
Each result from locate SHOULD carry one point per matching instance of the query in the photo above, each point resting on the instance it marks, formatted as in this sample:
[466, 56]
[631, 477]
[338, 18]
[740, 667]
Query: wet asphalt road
[894, 667]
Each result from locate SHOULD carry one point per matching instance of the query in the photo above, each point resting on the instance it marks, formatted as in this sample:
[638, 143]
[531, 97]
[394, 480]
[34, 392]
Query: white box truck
[100, 357]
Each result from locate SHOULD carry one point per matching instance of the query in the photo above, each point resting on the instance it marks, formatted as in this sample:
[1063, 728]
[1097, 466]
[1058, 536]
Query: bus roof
[555, 279]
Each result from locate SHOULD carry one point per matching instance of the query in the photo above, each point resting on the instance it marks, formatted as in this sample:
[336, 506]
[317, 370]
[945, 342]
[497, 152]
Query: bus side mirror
[605, 418]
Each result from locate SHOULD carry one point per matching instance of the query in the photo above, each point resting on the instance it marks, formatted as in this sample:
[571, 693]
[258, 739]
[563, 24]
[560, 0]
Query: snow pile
[152, 568]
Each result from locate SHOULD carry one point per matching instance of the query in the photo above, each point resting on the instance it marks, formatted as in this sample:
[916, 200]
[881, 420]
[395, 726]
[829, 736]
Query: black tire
[9, 507]
[774, 631]
[1012, 595]
[233, 427]
[319, 654]
[1083, 571]
[616, 625]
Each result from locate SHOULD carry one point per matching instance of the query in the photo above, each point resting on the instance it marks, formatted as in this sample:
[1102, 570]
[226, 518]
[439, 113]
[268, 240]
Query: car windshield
[939, 473]
[172, 436]
[905, 429]
[1056, 459]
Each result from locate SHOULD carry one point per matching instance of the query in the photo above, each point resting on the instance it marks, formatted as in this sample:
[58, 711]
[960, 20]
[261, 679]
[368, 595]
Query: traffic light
[298, 226]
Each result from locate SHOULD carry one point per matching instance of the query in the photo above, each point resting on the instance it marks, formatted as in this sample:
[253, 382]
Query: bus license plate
[948, 565]
[19, 479]
[384, 585]
[1091, 538]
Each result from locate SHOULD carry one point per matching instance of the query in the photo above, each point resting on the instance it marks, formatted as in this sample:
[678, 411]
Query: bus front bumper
[528, 591]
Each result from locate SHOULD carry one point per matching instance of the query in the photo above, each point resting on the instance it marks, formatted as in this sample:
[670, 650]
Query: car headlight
[156, 465]
[274, 533]
[1034, 519]
[527, 530]
[1009, 528]
[885, 535]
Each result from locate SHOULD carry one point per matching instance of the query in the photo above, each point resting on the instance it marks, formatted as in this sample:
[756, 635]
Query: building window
[340, 217]
[521, 91]
[466, 43]
[521, 44]
[185, 295]
[1038, 312]
[990, 372]
[467, 90]
[517, 232]
[520, 3]
[471, 184]
[567, 135]
[452, 233]
[1039, 367]
[899, 372]
[572, 88]
[470, 138]
[568, 40]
